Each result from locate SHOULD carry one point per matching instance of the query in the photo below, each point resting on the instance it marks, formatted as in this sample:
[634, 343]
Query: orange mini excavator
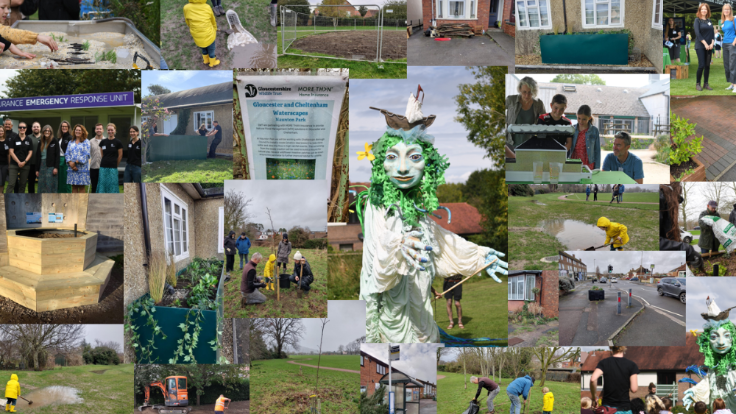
[176, 399]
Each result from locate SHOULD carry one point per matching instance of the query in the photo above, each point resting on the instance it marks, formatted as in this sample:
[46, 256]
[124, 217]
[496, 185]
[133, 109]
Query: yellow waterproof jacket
[201, 21]
[549, 401]
[614, 230]
[18, 37]
[268, 271]
[12, 389]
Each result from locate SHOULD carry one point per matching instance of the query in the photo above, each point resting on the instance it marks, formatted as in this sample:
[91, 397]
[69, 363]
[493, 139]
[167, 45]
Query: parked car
[603, 280]
[614, 280]
[672, 286]
[696, 228]
[686, 236]
[634, 279]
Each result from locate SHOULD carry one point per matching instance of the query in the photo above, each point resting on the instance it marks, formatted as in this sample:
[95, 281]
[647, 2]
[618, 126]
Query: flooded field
[574, 234]
[41, 397]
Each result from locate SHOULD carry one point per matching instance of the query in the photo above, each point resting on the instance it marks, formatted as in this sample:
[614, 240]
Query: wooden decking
[57, 290]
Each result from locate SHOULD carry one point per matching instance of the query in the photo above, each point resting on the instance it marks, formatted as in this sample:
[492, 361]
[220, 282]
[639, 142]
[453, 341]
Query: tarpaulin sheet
[177, 148]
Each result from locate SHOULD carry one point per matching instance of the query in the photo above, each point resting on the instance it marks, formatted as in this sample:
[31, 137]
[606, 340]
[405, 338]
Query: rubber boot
[7, 407]
[273, 8]
[206, 59]
[12, 408]
[214, 62]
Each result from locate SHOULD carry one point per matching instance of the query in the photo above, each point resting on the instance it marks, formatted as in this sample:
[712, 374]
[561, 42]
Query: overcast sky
[292, 203]
[625, 261]
[180, 80]
[346, 324]
[698, 195]
[440, 85]
[417, 360]
[5, 74]
[104, 333]
[699, 288]
[631, 81]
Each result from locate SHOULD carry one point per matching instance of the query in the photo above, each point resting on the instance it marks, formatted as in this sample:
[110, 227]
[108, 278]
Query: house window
[378, 369]
[657, 14]
[205, 117]
[221, 231]
[643, 126]
[176, 226]
[361, 360]
[603, 13]
[362, 388]
[533, 14]
[457, 9]
[520, 287]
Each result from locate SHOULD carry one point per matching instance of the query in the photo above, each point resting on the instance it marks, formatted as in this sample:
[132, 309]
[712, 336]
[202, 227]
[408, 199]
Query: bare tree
[35, 339]
[273, 234]
[716, 191]
[324, 322]
[236, 211]
[549, 356]
[110, 344]
[283, 332]
[686, 187]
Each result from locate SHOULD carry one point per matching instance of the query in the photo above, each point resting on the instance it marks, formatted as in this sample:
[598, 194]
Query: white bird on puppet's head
[714, 312]
[414, 106]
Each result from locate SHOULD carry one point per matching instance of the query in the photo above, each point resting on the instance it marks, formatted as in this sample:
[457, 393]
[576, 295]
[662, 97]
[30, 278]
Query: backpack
[472, 409]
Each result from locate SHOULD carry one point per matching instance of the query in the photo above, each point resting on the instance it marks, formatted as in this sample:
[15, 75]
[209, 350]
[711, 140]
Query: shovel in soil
[28, 401]
[591, 248]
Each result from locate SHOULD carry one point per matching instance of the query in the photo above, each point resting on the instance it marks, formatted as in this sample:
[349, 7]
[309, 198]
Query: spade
[596, 248]
[29, 401]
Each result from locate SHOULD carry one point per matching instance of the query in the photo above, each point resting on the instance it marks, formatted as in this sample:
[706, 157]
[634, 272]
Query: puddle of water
[574, 234]
[538, 203]
[551, 259]
[257, 55]
[56, 394]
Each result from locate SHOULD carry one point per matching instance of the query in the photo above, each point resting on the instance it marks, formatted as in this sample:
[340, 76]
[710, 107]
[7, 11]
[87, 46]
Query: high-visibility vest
[220, 404]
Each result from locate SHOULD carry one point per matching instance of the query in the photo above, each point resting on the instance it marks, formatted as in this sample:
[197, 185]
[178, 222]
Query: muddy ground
[108, 311]
[236, 407]
[350, 43]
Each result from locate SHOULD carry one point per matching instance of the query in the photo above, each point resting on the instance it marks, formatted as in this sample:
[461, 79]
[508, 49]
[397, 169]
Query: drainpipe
[146, 229]
[564, 14]
[235, 343]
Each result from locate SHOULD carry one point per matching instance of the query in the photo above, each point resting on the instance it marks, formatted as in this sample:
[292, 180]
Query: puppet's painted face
[720, 340]
[404, 165]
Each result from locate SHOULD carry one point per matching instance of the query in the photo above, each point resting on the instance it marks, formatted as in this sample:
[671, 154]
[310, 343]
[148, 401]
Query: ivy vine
[144, 306]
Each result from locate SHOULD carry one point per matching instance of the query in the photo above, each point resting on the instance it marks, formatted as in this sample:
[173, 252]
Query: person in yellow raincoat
[12, 393]
[268, 272]
[549, 401]
[203, 27]
[615, 233]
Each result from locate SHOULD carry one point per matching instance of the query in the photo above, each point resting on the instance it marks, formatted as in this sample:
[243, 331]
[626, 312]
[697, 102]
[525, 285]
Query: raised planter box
[596, 295]
[169, 319]
[681, 71]
[30, 251]
[697, 175]
[593, 49]
[177, 148]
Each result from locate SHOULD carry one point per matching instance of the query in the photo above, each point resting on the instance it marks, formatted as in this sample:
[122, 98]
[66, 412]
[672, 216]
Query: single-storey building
[642, 17]
[520, 288]
[480, 14]
[205, 104]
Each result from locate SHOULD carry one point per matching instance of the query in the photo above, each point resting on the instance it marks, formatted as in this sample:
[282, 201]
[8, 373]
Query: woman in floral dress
[78, 157]
[47, 161]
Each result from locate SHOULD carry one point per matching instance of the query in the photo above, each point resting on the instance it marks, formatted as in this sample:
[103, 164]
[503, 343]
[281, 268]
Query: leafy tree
[299, 6]
[332, 11]
[145, 15]
[450, 193]
[362, 10]
[158, 90]
[398, 7]
[28, 82]
[579, 79]
[481, 109]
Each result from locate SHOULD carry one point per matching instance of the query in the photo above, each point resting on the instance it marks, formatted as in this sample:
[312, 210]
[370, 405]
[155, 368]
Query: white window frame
[595, 25]
[197, 122]
[470, 10]
[519, 26]
[183, 219]
[221, 231]
[655, 25]
[361, 361]
[524, 279]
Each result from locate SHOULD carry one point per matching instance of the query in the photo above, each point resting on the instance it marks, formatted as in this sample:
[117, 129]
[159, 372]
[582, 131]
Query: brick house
[662, 365]
[477, 13]
[520, 288]
[372, 370]
[346, 10]
[678, 271]
[573, 266]
[508, 24]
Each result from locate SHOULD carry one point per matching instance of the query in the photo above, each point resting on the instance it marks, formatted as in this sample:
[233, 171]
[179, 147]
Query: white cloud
[417, 360]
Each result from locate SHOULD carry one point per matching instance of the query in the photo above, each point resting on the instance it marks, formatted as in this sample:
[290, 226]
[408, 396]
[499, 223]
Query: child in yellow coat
[616, 233]
[203, 27]
[12, 393]
[268, 272]
[549, 401]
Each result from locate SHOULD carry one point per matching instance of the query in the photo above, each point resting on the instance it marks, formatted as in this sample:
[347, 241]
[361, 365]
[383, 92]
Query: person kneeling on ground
[268, 272]
[490, 386]
[615, 233]
[12, 393]
[301, 267]
[220, 404]
[249, 283]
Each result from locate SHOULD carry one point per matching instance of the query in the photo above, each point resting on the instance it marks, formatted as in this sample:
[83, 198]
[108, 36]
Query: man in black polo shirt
[8, 125]
[217, 132]
[21, 151]
[556, 116]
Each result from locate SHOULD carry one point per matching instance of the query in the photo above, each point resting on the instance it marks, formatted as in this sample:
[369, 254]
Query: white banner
[290, 124]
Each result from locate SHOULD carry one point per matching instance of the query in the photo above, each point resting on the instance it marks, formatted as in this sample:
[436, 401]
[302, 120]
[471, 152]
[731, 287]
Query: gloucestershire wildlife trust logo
[250, 91]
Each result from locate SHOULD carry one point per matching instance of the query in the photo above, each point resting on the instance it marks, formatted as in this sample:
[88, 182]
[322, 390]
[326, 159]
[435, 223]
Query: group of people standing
[65, 162]
[709, 41]
[585, 143]
[617, 190]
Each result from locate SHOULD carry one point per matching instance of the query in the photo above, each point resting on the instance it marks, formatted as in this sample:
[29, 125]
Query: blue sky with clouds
[179, 80]
[440, 85]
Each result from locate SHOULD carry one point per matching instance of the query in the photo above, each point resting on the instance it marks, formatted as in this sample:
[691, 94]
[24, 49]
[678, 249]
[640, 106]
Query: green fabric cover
[589, 49]
[177, 148]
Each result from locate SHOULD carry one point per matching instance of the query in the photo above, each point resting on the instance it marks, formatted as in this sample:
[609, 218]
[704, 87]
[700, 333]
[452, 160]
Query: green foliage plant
[683, 150]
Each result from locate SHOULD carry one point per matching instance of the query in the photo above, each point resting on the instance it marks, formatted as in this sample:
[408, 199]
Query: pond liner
[177, 148]
[585, 49]
[170, 318]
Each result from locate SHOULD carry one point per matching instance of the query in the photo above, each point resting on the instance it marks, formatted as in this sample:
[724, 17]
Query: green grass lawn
[278, 387]
[485, 307]
[717, 79]
[313, 305]
[628, 198]
[109, 392]
[343, 278]
[453, 398]
[190, 171]
[358, 70]
[527, 247]
[334, 361]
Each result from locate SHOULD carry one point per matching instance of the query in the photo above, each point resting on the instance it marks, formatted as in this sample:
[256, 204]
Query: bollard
[629, 297]
[715, 270]
[619, 303]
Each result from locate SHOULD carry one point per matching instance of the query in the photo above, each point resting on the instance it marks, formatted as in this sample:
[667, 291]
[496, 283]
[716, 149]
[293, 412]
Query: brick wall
[368, 374]
[549, 293]
[508, 27]
[643, 390]
[484, 7]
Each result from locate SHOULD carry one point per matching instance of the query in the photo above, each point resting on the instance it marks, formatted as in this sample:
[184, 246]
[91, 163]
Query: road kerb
[610, 338]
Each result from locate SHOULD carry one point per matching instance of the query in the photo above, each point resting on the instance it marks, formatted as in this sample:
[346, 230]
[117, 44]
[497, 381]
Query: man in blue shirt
[622, 160]
[621, 193]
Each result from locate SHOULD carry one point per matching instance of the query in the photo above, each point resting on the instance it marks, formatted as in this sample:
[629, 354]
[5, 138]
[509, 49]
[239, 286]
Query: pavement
[427, 406]
[713, 117]
[494, 48]
[652, 320]
[654, 172]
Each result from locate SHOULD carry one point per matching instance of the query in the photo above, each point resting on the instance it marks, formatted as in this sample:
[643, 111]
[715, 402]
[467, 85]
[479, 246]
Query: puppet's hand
[498, 266]
[688, 398]
[410, 248]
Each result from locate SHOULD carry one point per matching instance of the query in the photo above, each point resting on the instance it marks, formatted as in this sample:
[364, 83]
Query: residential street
[652, 320]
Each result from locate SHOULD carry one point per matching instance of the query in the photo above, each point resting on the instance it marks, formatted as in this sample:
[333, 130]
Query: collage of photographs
[234, 207]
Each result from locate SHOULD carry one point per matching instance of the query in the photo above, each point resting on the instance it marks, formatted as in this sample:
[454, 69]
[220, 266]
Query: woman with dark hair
[585, 144]
[47, 160]
[704, 41]
[64, 135]
[284, 250]
[638, 406]
[111, 152]
[78, 157]
[133, 166]
[673, 35]
[4, 154]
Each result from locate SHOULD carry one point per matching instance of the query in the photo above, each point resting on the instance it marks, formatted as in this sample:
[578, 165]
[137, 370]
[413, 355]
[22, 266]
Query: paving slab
[460, 51]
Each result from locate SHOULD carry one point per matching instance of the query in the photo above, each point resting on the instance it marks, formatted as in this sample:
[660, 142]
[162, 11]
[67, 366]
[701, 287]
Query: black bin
[284, 282]
[596, 295]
